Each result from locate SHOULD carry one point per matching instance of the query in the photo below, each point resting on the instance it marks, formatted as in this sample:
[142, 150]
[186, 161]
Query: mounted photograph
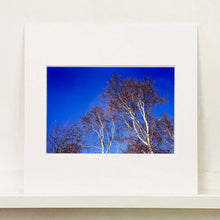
[110, 110]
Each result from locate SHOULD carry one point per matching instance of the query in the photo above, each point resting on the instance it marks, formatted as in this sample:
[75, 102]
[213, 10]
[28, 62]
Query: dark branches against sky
[110, 110]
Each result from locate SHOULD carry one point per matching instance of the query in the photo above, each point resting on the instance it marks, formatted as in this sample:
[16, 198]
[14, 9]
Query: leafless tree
[100, 130]
[134, 101]
[64, 138]
[162, 137]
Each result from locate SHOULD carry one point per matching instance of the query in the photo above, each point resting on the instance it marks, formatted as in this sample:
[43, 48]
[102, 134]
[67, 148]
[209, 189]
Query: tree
[64, 138]
[134, 102]
[100, 130]
[162, 133]
[162, 136]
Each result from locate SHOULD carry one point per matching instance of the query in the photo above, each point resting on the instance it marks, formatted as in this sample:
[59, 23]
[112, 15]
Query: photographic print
[112, 110]
[108, 110]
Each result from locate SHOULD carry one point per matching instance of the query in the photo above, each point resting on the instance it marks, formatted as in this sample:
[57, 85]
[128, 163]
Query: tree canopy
[126, 120]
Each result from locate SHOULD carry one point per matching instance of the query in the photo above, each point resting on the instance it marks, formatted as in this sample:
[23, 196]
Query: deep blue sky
[71, 91]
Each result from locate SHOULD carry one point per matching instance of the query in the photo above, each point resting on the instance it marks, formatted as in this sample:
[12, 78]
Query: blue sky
[71, 91]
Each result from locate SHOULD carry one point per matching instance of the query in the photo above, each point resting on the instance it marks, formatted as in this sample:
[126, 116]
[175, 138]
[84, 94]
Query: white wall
[15, 13]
